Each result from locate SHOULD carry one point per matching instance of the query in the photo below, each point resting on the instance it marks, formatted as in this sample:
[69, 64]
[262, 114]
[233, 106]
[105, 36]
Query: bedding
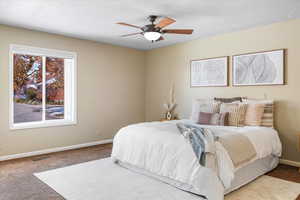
[233, 144]
[254, 114]
[160, 149]
[268, 114]
[199, 138]
[218, 119]
[252, 171]
[204, 105]
[229, 100]
[236, 113]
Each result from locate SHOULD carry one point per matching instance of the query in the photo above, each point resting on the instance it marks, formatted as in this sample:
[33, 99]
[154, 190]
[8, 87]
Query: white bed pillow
[204, 105]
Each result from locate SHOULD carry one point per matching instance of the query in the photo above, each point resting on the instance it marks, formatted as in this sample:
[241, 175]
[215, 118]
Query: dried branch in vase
[171, 105]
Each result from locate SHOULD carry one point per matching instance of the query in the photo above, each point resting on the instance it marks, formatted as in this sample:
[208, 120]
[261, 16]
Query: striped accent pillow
[254, 114]
[204, 105]
[236, 113]
[268, 116]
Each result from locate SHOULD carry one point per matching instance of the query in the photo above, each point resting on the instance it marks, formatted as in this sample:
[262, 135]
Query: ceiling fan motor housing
[152, 18]
[150, 28]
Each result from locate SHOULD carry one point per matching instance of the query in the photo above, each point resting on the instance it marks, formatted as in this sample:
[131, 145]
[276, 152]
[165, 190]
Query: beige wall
[169, 65]
[110, 92]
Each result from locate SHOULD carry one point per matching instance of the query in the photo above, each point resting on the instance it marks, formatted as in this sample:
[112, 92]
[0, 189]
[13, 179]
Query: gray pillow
[229, 100]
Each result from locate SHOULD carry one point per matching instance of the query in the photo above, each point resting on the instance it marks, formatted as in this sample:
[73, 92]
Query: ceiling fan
[153, 32]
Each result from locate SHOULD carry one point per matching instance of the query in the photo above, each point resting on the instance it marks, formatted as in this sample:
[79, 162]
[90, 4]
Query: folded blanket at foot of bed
[239, 148]
[202, 141]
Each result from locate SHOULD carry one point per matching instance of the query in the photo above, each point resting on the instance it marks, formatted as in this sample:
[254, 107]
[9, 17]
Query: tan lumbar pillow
[254, 114]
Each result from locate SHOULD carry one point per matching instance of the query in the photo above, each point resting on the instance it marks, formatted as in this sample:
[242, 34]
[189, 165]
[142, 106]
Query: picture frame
[209, 72]
[259, 68]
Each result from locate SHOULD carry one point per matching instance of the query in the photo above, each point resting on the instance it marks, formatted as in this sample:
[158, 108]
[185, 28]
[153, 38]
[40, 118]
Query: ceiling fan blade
[131, 34]
[165, 22]
[178, 31]
[125, 24]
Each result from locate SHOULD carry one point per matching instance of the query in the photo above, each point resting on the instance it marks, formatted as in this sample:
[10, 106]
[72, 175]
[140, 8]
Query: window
[42, 87]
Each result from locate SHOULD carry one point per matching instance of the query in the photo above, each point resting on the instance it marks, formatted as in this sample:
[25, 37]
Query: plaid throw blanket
[197, 139]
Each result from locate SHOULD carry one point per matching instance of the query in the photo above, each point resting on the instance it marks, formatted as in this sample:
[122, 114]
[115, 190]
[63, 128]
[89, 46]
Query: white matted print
[264, 68]
[209, 72]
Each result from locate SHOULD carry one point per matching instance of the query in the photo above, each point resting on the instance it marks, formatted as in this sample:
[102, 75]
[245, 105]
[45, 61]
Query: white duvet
[159, 148]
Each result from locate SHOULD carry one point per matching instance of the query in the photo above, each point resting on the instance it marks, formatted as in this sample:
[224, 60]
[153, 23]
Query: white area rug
[104, 180]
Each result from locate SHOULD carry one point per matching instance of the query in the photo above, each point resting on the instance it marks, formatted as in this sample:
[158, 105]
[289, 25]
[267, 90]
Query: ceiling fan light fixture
[154, 31]
[152, 36]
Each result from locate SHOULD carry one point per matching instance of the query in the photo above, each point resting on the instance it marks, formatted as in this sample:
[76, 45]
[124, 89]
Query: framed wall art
[262, 68]
[209, 72]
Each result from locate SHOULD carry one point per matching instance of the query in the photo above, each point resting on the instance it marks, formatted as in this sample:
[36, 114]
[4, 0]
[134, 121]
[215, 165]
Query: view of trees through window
[28, 88]
[54, 88]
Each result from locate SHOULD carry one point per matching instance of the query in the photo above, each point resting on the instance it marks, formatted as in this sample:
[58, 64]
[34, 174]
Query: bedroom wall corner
[168, 65]
[110, 92]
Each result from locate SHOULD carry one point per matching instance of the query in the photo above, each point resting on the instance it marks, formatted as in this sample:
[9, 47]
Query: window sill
[44, 124]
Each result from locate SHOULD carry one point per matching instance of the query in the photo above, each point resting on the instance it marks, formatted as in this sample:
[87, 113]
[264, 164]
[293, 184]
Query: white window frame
[70, 90]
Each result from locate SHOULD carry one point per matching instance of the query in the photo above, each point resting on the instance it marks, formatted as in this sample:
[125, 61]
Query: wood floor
[17, 181]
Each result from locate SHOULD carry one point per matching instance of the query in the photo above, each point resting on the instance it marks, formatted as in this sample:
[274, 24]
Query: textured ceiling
[95, 19]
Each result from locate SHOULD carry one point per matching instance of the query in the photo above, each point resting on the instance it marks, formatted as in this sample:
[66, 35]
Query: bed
[158, 149]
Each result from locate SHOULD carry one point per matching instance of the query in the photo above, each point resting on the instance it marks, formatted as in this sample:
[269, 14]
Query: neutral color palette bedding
[160, 149]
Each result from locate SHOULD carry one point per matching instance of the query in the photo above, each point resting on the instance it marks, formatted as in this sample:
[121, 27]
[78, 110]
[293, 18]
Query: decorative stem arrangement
[170, 106]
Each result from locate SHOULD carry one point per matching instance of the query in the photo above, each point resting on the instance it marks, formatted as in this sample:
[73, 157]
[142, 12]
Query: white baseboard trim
[52, 150]
[290, 162]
